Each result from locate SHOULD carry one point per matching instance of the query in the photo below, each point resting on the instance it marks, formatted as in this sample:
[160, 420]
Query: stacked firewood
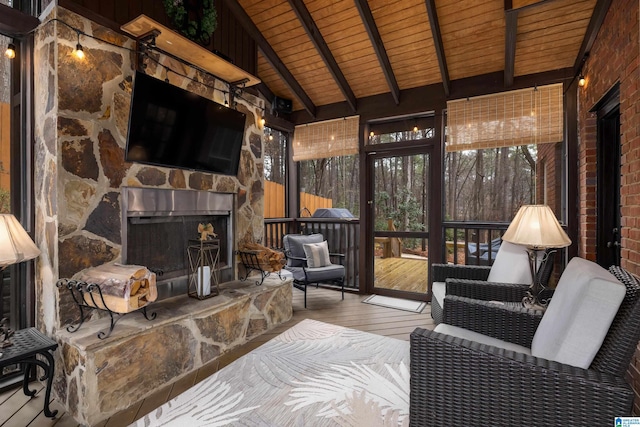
[268, 259]
[123, 288]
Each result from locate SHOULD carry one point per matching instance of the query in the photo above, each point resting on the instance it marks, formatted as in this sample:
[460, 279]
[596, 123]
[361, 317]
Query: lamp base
[535, 298]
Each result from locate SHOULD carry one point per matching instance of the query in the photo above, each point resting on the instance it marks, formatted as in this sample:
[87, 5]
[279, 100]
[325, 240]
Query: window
[405, 129]
[488, 185]
[275, 173]
[332, 182]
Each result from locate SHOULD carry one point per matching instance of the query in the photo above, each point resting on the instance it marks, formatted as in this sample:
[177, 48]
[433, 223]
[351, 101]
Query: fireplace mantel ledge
[168, 311]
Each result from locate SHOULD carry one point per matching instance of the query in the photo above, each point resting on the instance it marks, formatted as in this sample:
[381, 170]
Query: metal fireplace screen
[160, 243]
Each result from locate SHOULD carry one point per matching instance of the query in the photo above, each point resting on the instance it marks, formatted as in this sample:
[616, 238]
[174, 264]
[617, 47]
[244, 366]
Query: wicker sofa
[455, 381]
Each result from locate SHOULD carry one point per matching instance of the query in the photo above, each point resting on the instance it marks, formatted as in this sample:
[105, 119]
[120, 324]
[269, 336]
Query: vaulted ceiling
[322, 52]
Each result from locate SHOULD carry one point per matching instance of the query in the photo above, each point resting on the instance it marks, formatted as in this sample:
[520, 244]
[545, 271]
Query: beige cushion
[456, 331]
[583, 306]
[511, 265]
[439, 289]
[317, 254]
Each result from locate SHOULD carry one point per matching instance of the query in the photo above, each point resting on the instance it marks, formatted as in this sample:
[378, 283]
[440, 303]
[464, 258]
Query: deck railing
[460, 246]
[472, 243]
[342, 235]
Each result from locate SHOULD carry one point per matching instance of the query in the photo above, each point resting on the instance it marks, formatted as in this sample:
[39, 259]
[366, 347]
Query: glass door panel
[400, 206]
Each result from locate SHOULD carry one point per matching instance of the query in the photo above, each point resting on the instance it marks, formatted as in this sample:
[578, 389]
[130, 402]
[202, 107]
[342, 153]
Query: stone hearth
[107, 376]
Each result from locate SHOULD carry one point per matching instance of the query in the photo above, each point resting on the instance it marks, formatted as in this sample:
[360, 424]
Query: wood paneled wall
[229, 39]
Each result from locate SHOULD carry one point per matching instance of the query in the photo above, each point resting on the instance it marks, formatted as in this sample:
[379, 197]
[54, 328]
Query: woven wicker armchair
[459, 382]
[471, 281]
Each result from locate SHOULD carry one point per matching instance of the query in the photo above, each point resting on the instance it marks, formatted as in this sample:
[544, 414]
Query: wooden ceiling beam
[597, 17]
[313, 32]
[430, 97]
[265, 91]
[14, 23]
[378, 47]
[508, 5]
[511, 34]
[271, 56]
[437, 41]
[511, 16]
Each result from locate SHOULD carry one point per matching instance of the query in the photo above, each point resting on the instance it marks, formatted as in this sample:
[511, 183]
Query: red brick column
[614, 59]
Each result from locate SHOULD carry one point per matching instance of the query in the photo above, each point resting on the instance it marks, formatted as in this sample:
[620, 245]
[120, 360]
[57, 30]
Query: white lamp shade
[536, 226]
[15, 244]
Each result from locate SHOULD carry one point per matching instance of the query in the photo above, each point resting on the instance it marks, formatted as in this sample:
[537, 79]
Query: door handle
[613, 244]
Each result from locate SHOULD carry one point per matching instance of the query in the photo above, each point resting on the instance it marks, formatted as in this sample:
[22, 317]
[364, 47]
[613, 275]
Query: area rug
[397, 303]
[314, 374]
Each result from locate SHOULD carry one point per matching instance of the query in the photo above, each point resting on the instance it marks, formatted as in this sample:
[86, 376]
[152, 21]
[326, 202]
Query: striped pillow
[317, 254]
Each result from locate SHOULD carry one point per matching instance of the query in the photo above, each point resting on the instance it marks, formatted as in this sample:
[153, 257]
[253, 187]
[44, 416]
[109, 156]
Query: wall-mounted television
[172, 127]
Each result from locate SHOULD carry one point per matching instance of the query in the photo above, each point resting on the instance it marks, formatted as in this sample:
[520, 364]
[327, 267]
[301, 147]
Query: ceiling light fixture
[11, 51]
[582, 81]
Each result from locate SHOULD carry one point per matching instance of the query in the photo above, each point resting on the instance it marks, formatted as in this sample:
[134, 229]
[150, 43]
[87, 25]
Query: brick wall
[614, 58]
[549, 164]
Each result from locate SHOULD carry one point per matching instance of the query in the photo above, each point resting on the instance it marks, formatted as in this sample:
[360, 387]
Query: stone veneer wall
[81, 120]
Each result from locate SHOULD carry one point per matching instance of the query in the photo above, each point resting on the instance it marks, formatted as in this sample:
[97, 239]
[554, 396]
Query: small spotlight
[371, 134]
[270, 137]
[581, 81]
[79, 53]
[11, 51]
[415, 128]
[262, 121]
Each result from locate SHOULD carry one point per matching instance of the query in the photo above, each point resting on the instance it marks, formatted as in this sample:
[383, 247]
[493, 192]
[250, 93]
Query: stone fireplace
[157, 225]
[82, 185]
[81, 122]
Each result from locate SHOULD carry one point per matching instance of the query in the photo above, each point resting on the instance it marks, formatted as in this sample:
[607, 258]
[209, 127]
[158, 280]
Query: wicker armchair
[472, 282]
[460, 382]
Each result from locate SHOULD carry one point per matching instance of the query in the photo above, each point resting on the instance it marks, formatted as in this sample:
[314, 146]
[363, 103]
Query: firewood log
[124, 288]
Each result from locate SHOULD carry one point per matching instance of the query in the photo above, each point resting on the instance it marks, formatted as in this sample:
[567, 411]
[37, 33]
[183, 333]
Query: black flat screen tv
[169, 126]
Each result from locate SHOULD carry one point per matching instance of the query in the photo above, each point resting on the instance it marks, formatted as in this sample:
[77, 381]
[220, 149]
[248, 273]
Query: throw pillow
[317, 254]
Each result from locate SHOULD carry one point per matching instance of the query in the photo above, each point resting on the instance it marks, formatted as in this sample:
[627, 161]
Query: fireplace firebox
[157, 225]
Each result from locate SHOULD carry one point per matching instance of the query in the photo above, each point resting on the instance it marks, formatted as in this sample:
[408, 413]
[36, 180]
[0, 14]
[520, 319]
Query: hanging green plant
[196, 19]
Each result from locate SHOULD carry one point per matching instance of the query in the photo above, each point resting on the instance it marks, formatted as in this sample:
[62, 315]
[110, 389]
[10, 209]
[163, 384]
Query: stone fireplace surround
[81, 113]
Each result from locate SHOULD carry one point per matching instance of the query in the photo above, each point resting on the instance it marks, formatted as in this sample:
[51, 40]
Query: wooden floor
[17, 410]
[404, 274]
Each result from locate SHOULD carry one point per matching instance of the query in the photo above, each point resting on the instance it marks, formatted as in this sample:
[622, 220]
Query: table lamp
[536, 227]
[15, 246]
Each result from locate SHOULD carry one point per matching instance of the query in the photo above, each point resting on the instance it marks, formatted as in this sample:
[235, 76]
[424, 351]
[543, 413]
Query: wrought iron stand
[81, 291]
[250, 261]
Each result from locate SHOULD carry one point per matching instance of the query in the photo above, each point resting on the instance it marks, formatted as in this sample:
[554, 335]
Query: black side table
[27, 343]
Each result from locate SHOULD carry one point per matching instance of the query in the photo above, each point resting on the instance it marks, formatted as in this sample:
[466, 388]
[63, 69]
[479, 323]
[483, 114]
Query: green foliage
[5, 201]
[199, 30]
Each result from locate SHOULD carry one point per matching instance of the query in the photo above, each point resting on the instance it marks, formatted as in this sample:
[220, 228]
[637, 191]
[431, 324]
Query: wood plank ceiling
[321, 52]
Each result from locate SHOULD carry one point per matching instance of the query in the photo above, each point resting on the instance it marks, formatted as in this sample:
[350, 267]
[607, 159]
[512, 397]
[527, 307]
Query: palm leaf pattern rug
[314, 374]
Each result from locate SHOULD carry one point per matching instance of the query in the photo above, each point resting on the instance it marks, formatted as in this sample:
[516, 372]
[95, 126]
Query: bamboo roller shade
[519, 117]
[330, 138]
